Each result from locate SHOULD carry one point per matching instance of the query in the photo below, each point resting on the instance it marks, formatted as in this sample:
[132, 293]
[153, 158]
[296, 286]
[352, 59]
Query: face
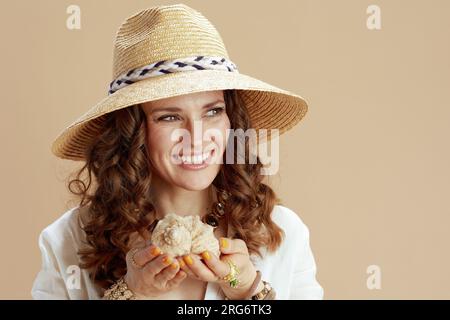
[187, 136]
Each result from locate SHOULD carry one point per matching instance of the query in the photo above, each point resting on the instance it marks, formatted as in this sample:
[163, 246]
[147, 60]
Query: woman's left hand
[208, 267]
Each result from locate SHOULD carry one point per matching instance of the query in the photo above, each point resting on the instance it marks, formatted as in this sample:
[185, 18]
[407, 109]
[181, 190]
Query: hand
[208, 267]
[159, 273]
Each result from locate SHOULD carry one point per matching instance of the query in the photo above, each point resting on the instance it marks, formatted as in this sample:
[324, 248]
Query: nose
[195, 129]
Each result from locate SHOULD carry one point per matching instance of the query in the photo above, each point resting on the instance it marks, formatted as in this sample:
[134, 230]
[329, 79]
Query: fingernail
[223, 243]
[155, 251]
[188, 260]
[181, 262]
[206, 255]
[174, 265]
[167, 260]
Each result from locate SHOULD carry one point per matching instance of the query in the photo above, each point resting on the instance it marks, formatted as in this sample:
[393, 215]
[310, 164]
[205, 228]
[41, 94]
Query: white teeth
[195, 159]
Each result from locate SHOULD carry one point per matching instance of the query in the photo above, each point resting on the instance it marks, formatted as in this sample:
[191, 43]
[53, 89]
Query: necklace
[218, 209]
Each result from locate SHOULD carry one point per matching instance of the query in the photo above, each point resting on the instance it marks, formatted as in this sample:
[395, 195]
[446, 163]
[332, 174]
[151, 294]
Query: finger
[168, 272]
[218, 267]
[156, 265]
[229, 246]
[144, 255]
[197, 267]
[179, 277]
[186, 269]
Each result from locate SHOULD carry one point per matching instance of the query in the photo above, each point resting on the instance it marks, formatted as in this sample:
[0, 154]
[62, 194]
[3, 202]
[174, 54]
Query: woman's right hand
[153, 273]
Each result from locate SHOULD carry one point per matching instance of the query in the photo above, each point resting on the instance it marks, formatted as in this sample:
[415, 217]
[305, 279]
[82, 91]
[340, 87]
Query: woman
[160, 143]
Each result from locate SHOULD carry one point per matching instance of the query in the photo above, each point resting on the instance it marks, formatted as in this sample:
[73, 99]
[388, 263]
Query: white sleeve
[304, 284]
[49, 283]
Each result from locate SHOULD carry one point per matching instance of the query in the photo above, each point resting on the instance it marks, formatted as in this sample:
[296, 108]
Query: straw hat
[171, 50]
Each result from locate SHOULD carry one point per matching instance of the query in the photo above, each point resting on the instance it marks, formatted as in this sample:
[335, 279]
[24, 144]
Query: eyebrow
[176, 109]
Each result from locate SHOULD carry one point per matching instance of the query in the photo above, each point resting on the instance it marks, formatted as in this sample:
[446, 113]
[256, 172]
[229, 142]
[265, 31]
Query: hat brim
[269, 107]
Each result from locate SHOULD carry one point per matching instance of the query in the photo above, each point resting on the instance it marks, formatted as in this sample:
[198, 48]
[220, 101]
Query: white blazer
[291, 270]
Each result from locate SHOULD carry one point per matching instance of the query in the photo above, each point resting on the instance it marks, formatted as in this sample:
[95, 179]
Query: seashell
[178, 235]
[205, 240]
[172, 235]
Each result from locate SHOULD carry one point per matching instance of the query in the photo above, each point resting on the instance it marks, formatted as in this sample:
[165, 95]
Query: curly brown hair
[119, 172]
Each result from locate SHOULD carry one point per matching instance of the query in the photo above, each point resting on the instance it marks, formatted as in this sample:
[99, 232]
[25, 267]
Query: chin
[196, 180]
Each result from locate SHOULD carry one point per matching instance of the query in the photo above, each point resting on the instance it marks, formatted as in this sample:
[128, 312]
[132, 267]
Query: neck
[173, 199]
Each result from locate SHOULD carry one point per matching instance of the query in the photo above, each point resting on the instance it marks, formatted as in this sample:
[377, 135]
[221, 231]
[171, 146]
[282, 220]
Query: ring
[231, 277]
[133, 262]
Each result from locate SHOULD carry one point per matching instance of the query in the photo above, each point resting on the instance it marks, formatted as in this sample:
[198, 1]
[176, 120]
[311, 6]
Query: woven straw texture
[171, 32]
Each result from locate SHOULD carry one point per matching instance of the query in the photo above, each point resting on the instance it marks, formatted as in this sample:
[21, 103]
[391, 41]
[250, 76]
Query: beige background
[367, 170]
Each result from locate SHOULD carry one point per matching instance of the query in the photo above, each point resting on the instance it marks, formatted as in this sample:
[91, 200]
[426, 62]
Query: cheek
[225, 130]
[223, 126]
[158, 142]
[217, 131]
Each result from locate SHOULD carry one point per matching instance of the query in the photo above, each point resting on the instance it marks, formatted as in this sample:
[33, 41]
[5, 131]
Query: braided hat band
[170, 66]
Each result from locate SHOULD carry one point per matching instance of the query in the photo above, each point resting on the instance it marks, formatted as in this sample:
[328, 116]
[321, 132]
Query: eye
[168, 118]
[215, 111]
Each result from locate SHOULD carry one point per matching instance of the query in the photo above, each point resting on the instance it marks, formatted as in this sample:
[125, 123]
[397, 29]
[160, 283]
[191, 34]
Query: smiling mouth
[197, 159]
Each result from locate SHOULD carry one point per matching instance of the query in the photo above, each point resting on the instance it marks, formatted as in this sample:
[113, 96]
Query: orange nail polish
[167, 260]
[188, 260]
[174, 265]
[206, 255]
[181, 262]
[155, 251]
[223, 243]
